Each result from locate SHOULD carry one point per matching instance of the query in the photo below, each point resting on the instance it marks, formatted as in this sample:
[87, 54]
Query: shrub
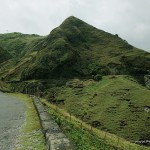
[97, 77]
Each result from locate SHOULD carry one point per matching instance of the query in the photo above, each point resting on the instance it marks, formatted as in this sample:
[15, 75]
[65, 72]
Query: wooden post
[70, 116]
[118, 141]
[56, 107]
[91, 127]
[105, 135]
[129, 145]
[82, 123]
[143, 147]
[37, 91]
[34, 91]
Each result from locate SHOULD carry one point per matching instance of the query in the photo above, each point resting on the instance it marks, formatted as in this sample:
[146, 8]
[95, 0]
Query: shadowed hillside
[4, 55]
[74, 49]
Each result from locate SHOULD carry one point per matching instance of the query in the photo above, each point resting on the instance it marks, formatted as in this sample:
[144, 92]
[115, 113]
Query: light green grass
[87, 137]
[117, 103]
[31, 137]
[82, 139]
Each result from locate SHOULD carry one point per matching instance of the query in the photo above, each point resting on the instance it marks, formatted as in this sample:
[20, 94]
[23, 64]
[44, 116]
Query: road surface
[12, 117]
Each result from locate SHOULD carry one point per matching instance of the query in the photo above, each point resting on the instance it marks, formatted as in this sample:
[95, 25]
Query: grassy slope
[4, 55]
[81, 138]
[19, 44]
[31, 135]
[75, 48]
[23, 48]
[87, 137]
[118, 104]
[78, 49]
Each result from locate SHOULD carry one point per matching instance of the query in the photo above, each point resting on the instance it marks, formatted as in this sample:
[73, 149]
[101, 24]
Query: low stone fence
[55, 139]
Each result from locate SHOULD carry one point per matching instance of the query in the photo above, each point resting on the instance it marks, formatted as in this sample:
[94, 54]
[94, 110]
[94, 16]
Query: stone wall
[147, 81]
[55, 139]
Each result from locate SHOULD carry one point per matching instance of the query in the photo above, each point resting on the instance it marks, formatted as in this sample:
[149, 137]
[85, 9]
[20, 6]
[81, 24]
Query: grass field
[81, 138]
[31, 137]
[86, 137]
[114, 104]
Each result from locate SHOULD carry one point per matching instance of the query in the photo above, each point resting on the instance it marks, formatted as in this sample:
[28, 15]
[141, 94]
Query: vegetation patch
[31, 137]
[114, 104]
[81, 139]
[83, 132]
[74, 49]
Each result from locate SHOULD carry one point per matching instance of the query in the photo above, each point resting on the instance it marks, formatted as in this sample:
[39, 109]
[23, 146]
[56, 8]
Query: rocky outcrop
[147, 81]
[55, 139]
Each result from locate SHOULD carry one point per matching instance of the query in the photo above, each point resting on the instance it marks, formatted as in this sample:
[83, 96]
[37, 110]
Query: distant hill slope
[74, 49]
[4, 55]
[19, 44]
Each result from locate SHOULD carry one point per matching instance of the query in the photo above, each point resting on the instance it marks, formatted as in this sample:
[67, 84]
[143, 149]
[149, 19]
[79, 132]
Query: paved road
[12, 116]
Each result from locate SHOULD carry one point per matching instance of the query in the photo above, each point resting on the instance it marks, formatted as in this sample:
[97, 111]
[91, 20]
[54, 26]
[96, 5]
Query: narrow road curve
[12, 117]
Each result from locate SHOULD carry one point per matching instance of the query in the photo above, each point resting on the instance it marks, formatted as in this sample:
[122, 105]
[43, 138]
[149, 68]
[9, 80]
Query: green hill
[116, 104]
[19, 44]
[74, 49]
[22, 48]
[4, 55]
[78, 49]
[90, 73]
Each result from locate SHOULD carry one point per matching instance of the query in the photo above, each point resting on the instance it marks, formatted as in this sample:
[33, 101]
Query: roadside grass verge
[94, 138]
[80, 138]
[31, 136]
[115, 104]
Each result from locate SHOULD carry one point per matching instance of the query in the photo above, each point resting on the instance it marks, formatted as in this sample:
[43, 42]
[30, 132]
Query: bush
[97, 77]
[2, 78]
[52, 94]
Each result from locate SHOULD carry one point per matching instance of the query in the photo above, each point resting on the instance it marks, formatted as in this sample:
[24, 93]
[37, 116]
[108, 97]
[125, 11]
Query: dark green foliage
[51, 96]
[2, 78]
[97, 77]
[95, 69]
[18, 44]
[74, 49]
[4, 55]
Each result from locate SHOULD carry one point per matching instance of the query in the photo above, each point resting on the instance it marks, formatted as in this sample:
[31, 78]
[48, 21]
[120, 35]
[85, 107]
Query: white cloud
[128, 18]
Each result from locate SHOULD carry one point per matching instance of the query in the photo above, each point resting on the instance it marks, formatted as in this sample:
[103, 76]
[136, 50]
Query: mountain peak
[71, 18]
[72, 21]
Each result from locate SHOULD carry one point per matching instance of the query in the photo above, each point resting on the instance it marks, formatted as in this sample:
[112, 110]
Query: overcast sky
[128, 18]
